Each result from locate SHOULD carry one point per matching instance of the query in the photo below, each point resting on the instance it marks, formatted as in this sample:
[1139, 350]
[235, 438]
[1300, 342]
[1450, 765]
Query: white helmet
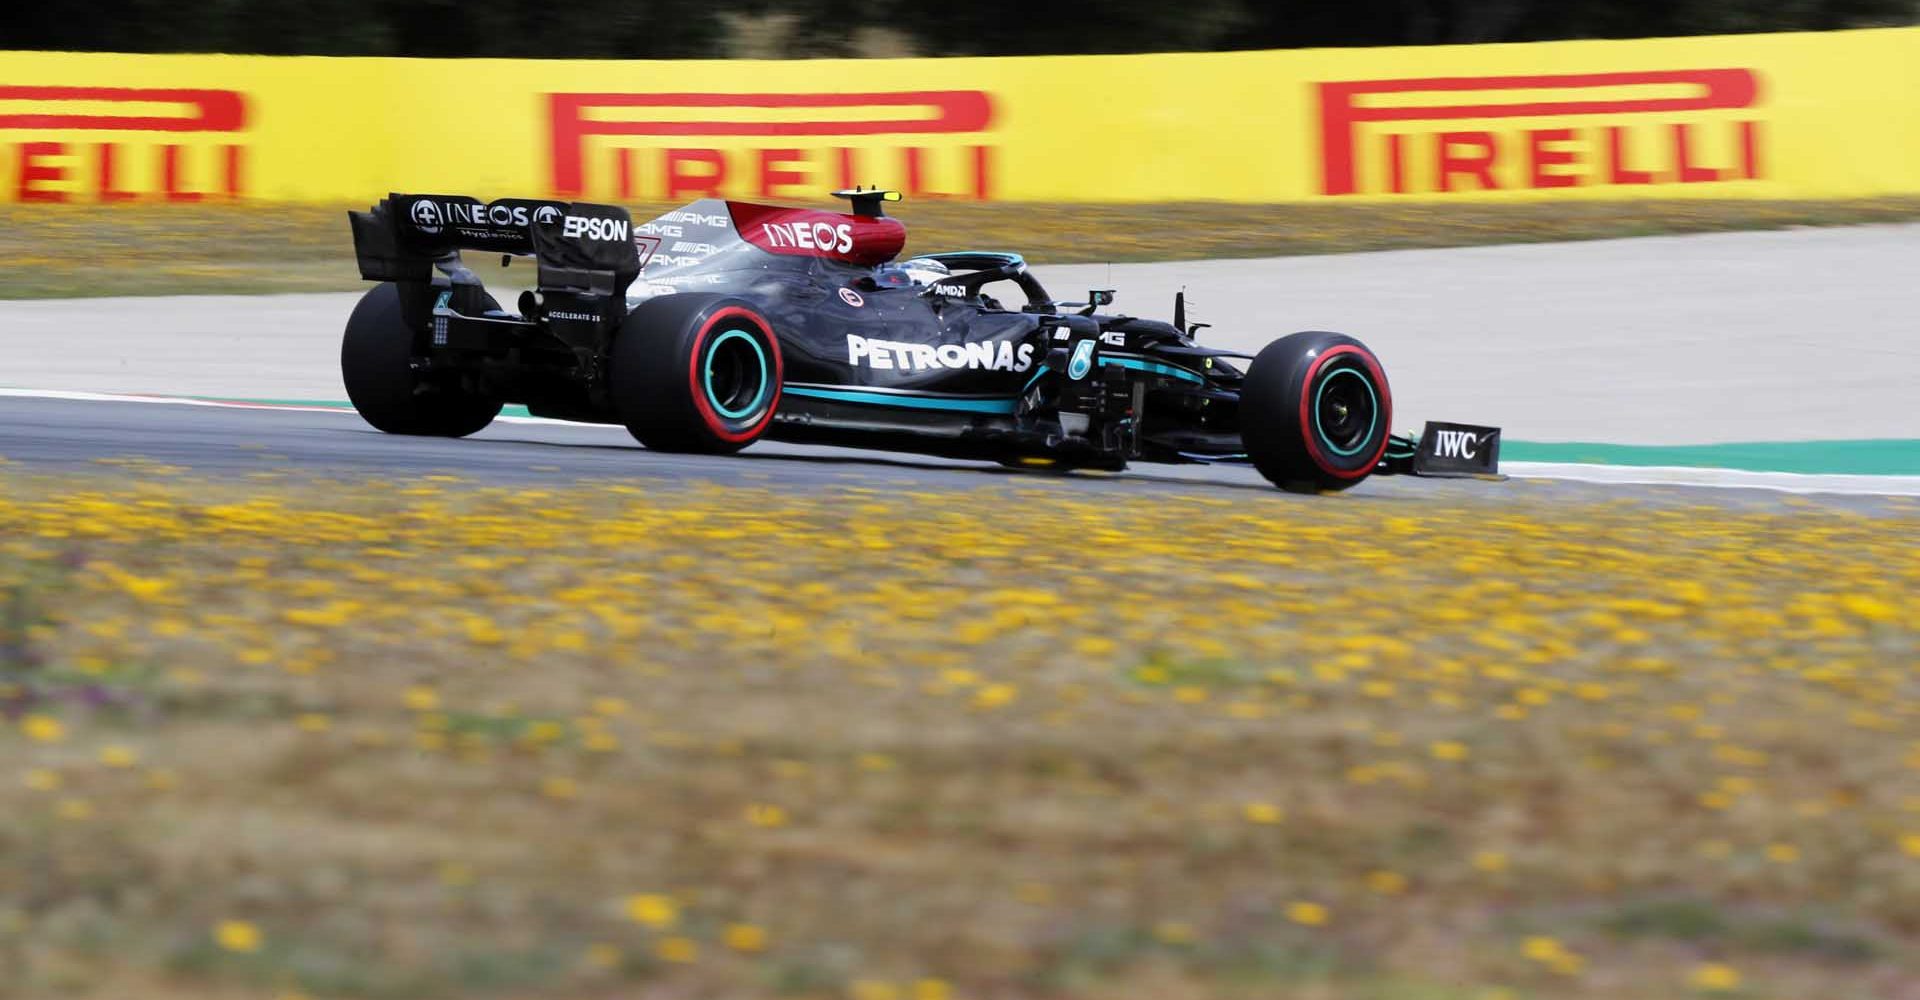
[926, 271]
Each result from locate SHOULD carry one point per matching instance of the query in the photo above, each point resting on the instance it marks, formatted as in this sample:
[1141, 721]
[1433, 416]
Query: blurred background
[291, 709]
[684, 29]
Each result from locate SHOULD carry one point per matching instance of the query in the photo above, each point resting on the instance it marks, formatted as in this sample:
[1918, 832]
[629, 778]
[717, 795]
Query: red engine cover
[803, 232]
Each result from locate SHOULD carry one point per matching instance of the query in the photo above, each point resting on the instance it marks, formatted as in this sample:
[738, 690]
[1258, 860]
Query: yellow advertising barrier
[1827, 115]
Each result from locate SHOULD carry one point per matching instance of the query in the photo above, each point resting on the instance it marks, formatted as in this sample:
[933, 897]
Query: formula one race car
[722, 322]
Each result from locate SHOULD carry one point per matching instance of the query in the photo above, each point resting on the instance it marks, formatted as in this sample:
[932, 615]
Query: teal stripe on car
[1152, 367]
[904, 401]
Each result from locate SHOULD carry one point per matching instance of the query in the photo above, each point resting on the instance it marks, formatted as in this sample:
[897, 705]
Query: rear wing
[587, 257]
[578, 244]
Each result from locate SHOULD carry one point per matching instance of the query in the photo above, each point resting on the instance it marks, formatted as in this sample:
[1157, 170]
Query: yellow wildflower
[745, 937]
[43, 729]
[1308, 914]
[677, 949]
[653, 910]
[1714, 977]
[237, 936]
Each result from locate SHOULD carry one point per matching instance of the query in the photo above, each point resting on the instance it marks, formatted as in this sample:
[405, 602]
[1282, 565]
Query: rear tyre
[376, 363]
[1315, 412]
[696, 373]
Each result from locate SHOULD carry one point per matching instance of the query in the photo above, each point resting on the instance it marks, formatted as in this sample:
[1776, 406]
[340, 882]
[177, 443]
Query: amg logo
[595, 228]
[698, 219]
[1455, 444]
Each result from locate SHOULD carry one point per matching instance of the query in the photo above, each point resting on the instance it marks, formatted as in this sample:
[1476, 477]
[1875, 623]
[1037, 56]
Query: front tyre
[1315, 412]
[376, 363]
[694, 372]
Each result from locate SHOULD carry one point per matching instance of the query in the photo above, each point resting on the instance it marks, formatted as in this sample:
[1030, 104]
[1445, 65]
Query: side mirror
[1100, 297]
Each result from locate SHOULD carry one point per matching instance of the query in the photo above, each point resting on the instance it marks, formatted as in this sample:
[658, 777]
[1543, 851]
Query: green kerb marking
[1873, 457]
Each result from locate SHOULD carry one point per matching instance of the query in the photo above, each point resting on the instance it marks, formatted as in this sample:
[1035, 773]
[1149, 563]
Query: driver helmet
[916, 273]
[927, 271]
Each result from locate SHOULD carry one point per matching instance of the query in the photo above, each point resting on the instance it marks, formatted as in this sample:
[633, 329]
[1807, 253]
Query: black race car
[722, 322]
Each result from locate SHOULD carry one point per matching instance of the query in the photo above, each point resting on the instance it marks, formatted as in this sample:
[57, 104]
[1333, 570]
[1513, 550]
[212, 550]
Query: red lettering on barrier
[916, 173]
[1617, 170]
[941, 112]
[777, 171]
[1478, 166]
[683, 180]
[213, 110]
[198, 110]
[623, 169]
[1343, 111]
[104, 189]
[170, 176]
[234, 179]
[1684, 168]
[1750, 150]
[33, 170]
[847, 176]
[1540, 157]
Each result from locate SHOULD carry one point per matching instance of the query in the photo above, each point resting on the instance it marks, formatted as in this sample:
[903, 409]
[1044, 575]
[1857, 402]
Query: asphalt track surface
[43, 435]
[1801, 335]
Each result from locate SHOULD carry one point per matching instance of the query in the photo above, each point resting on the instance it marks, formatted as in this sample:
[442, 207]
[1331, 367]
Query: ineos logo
[426, 216]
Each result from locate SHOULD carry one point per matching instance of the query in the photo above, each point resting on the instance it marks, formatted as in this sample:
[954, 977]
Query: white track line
[1618, 475]
[230, 404]
[1732, 479]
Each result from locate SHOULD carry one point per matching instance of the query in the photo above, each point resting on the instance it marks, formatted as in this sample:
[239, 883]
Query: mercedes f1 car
[723, 322]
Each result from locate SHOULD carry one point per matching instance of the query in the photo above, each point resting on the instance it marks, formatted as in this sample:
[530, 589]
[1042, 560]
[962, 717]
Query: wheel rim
[736, 378]
[1345, 411]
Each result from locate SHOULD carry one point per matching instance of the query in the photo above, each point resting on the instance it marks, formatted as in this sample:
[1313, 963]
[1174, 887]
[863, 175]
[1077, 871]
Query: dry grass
[433, 739]
[122, 250]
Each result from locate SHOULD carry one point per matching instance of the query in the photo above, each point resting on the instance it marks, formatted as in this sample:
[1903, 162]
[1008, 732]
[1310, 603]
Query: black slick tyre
[1315, 412]
[697, 373]
[376, 363]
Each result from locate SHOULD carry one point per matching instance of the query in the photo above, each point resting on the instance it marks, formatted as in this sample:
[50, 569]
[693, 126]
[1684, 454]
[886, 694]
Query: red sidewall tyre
[1316, 412]
[696, 373]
